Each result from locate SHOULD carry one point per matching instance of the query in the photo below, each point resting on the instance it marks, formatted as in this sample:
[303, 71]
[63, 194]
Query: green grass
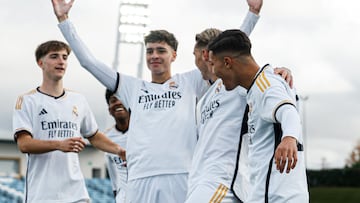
[334, 195]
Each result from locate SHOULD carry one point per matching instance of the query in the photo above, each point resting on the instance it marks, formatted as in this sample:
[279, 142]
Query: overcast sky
[318, 40]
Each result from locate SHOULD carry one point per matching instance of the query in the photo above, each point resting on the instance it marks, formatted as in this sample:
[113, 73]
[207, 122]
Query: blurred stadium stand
[11, 190]
[13, 169]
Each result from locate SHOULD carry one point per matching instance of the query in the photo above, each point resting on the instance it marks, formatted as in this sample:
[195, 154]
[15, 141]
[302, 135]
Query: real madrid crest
[173, 85]
[75, 111]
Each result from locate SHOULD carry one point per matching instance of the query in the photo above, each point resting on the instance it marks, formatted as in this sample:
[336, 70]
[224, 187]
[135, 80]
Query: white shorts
[211, 193]
[120, 196]
[158, 189]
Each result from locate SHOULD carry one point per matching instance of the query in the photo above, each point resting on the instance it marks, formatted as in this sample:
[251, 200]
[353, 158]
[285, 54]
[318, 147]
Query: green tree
[354, 160]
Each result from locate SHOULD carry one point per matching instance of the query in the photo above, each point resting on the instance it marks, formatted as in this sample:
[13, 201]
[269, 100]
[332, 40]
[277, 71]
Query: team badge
[218, 88]
[173, 85]
[75, 111]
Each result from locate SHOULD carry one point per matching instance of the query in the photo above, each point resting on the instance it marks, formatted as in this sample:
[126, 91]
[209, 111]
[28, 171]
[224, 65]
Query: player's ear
[174, 54]
[40, 62]
[228, 62]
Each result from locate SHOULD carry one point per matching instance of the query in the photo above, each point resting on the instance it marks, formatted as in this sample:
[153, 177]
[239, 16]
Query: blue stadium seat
[100, 190]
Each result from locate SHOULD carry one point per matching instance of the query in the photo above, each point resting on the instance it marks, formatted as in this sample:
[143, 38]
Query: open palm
[61, 8]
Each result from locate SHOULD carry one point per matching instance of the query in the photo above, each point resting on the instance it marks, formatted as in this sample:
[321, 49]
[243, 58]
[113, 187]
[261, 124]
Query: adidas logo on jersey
[42, 112]
[144, 90]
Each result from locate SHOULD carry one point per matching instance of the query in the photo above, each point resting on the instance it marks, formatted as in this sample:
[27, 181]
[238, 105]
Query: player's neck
[122, 126]
[247, 76]
[53, 88]
[213, 78]
[160, 78]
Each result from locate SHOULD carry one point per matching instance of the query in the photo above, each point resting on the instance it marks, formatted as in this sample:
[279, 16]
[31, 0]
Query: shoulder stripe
[219, 194]
[262, 82]
[20, 99]
[19, 102]
[265, 79]
[259, 85]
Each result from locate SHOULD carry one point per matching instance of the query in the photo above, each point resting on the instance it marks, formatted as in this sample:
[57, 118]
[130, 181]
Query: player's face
[117, 109]
[54, 64]
[220, 70]
[201, 64]
[159, 57]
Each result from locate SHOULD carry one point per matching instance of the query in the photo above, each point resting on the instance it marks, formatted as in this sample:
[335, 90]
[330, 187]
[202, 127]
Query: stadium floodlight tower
[133, 19]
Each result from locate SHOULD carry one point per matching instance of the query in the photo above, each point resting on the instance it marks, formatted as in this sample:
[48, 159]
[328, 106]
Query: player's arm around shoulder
[286, 74]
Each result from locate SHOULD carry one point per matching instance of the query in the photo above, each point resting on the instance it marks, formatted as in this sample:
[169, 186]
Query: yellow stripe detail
[224, 194]
[219, 194]
[20, 99]
[266, 80]
[259, 85]
[19, 103]
[262, 82]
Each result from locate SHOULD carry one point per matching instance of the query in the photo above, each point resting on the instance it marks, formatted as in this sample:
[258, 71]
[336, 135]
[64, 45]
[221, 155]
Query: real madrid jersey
[267, 94]
[54, 176]
[162, 124]
[115, 165]
[219, 117]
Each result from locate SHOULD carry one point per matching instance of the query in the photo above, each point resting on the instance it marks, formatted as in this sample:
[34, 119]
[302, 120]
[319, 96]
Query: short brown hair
[203, 38]
[162, 36]
[52, 45]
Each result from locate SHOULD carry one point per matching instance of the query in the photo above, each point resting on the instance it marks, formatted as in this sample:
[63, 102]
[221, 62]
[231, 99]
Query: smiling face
[54, 64]
[159, 56]
[117, 109]
[222, 69]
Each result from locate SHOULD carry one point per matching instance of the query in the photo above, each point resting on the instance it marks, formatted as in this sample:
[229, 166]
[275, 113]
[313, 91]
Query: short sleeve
[22, 116]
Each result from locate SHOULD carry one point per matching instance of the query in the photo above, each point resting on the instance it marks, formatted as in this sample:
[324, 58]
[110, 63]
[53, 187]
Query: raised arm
[106, 75]
[249, 24]
[255, 6]
[61, 8]
[252, 16]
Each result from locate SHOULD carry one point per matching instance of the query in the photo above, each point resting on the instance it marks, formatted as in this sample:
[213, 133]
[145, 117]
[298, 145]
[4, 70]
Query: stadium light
[133, 19]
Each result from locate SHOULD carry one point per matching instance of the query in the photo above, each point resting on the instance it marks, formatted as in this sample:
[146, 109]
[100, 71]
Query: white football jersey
[219, 118]
[54, 176]
[117, 170]
[162, 124]
[267, 93]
